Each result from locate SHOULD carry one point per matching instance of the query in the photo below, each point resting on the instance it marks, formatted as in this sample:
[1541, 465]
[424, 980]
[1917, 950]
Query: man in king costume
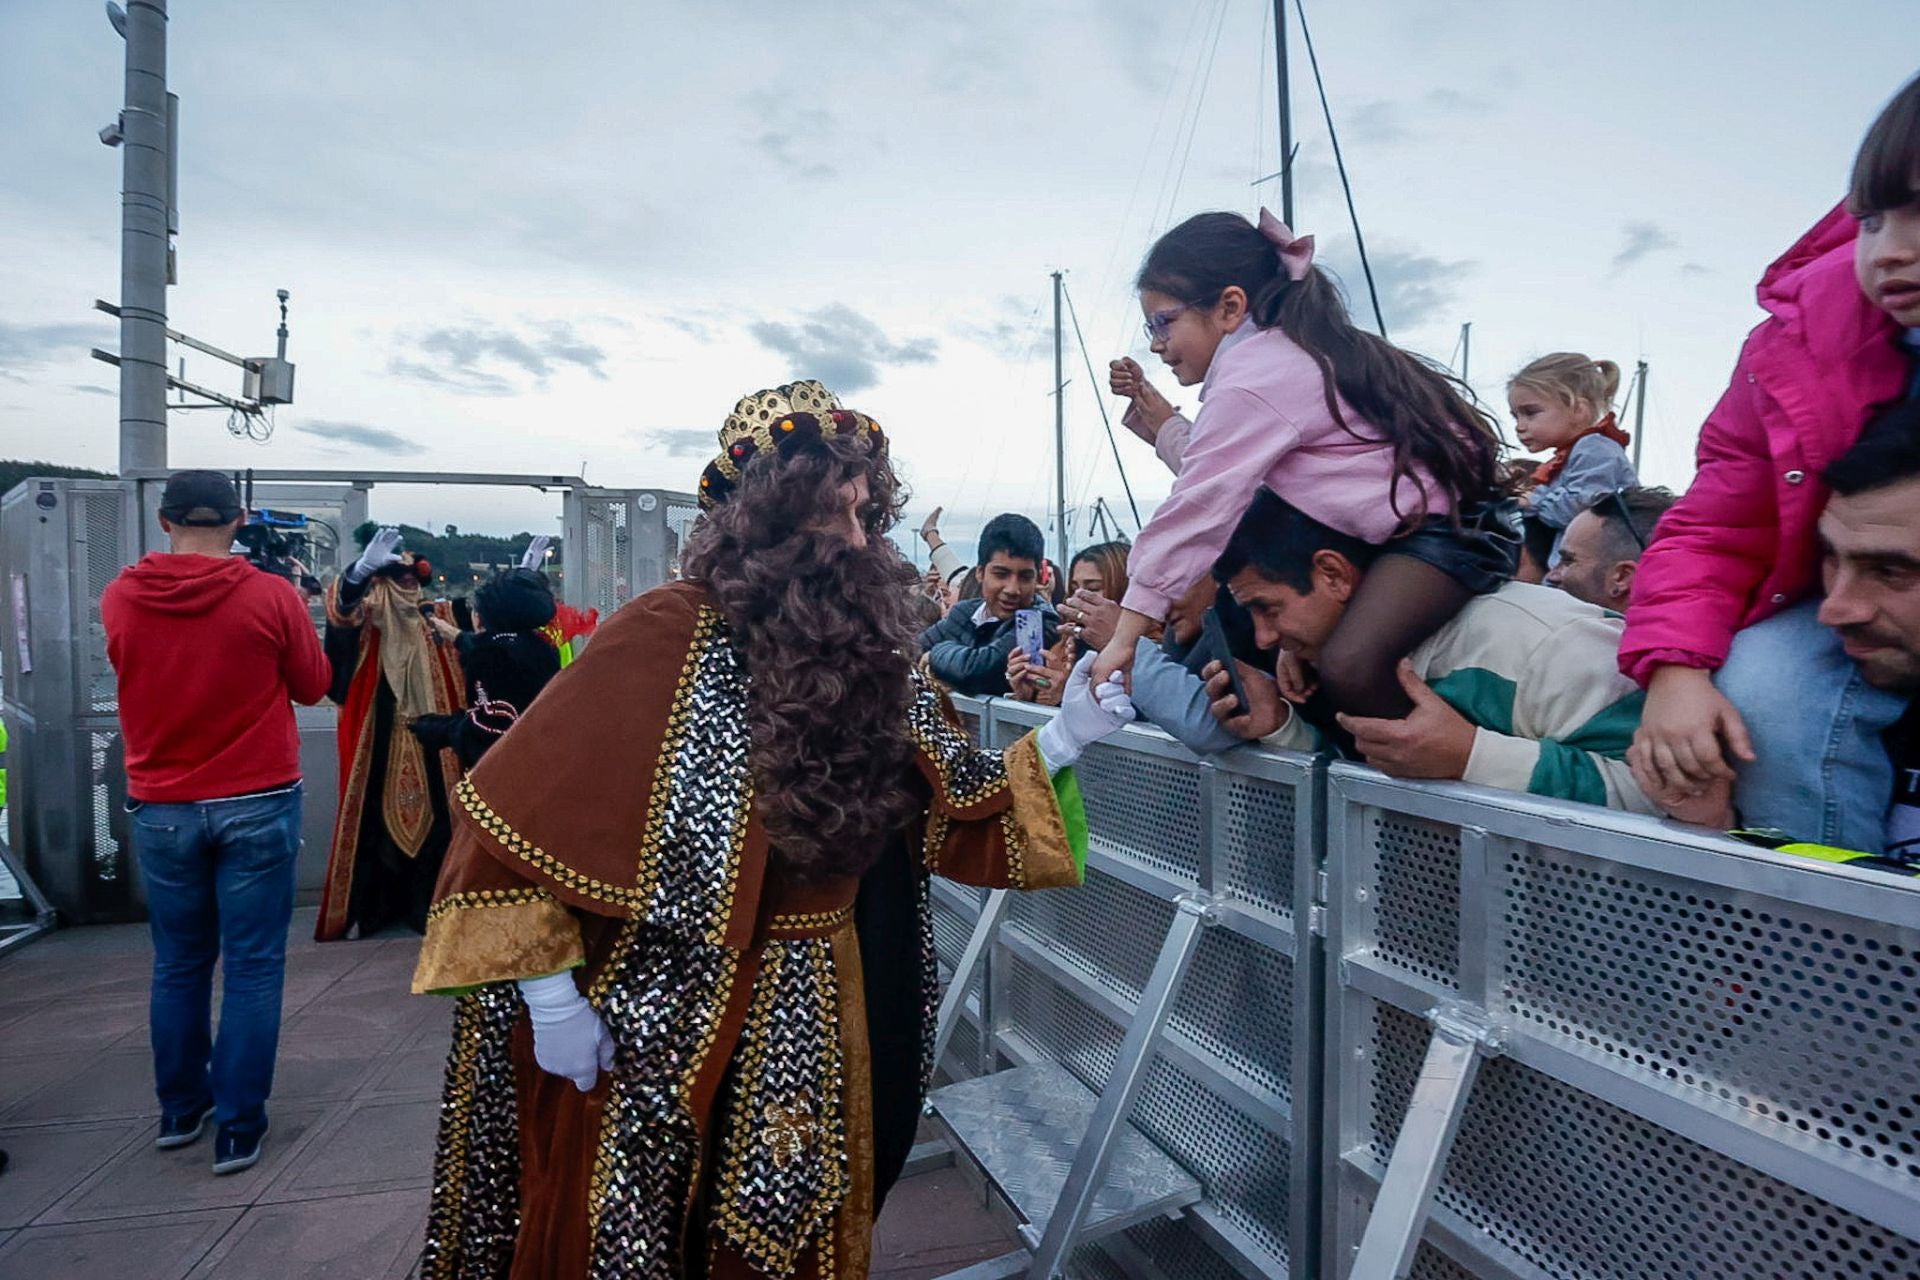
[392, 826]
[674, 884]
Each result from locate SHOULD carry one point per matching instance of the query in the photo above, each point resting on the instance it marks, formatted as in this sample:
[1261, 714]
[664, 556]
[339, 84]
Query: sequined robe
[612, 831]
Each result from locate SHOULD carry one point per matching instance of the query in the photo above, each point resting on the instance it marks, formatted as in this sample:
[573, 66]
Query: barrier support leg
[992, 911]
[1462, 1039]
[1195, 912]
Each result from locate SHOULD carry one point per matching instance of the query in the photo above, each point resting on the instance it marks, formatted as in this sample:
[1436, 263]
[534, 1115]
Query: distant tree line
[14, 470]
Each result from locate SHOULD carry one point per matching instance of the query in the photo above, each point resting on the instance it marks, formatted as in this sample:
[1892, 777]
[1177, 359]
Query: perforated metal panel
[1584, 1189]
[107, 773]
[1144, 808]
[1711, 1056]
[1430, 1264]
[1256, 822]
[1804, 1017]
[680, 516]
[99, 522]
[1415, 893]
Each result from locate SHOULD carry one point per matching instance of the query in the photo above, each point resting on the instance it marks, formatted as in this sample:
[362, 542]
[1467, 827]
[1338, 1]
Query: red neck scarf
[1548, 471]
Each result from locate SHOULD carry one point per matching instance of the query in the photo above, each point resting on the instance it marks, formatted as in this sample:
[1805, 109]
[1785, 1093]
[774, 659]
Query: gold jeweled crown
[777, 420]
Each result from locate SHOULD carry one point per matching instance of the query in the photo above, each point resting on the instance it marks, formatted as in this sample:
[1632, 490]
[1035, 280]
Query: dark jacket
[973, 659]
[507, 666]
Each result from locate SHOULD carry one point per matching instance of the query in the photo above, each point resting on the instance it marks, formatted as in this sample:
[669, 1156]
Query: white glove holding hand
[568, 1037]
[383, 549]
[1086, 716]
[536, 552]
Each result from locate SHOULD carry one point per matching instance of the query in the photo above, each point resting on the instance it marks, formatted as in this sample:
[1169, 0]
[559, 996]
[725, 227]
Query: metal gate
[622, 542]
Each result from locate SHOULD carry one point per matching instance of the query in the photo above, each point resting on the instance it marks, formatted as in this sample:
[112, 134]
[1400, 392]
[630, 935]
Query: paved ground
[341, 1192]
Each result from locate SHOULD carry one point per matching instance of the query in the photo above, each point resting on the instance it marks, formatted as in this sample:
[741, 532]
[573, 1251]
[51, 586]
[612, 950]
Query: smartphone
[1216, 635]
[1029, 634]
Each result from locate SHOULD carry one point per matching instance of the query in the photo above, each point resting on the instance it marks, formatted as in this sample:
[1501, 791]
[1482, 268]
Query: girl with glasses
[1354, 431]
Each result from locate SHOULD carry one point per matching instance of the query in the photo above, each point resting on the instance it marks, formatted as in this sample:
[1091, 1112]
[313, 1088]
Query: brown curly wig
[827, 632]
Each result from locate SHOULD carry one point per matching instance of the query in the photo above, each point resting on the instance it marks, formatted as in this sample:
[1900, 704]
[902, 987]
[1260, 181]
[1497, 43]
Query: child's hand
[1682, 730]
[1151, 409]
[1020, 673]
[1709, 807]
[1294, 678]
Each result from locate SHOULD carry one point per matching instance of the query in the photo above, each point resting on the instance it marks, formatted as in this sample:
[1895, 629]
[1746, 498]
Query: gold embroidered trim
[485, 898]
[811, 921]
[943, 754]
[524, 938]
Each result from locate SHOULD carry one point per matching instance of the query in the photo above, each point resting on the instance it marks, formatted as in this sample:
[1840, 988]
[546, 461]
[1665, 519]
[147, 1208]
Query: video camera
[281, 543]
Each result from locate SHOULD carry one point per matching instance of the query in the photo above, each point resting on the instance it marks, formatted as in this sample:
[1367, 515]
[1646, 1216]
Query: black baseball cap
[200, 499]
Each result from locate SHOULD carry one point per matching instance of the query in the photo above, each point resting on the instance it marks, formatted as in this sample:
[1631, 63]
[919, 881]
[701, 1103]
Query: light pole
[142, 135]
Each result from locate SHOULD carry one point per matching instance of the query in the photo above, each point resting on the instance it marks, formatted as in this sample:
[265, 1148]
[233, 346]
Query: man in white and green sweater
[1520, 690]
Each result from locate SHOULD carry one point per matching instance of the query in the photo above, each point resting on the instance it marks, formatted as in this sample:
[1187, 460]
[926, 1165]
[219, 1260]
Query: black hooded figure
[508, 659]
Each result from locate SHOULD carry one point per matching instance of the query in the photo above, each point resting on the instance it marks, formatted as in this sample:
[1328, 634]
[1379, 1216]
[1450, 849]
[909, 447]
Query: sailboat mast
[1466, 350]
[1059, 426]
[1639, 414]
[1286, 111]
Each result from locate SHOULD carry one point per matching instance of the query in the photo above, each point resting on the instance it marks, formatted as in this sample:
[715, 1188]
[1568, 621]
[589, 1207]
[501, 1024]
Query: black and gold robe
[613, 832]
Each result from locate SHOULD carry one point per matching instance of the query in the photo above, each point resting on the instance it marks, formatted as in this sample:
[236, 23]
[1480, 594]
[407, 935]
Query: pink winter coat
[1741, 545]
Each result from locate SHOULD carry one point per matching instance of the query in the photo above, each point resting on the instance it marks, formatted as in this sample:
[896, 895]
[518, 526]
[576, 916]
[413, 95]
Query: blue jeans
[219, 880]
[1822, 775]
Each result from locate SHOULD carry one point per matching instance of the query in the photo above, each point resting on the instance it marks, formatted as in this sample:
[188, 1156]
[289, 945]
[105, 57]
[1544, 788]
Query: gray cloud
[793, 135]
[89, 388]
[358, 435]
[1384, 121]
[488, 360]
[28, 346]
[1643, 238]
[1013, 326]
[1415, 288]
[840, 347]
[1695, 269]
[680, 442]
[1378, 121]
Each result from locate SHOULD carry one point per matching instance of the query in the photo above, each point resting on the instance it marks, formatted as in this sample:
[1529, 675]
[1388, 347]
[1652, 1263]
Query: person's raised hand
[1684, 727]
[1020, 681]
[1093, 617]
[1431, 741]
[930, 528]
[383, 549]
[1150, 409]
[536, 552]
[1266, 712]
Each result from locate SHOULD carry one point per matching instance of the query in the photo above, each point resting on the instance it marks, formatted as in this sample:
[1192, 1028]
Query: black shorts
[1481, 553]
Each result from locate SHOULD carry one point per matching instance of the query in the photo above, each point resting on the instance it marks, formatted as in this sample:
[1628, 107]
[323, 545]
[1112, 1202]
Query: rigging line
[1189, 112]
[1200, 102]
[1346, 187]
[1106, 420]
[1259, 108]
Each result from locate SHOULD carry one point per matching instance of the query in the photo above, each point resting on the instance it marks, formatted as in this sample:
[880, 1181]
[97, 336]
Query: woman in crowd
[1726, 583]
[1097, 577]
[1356, 432]
[1563, 403]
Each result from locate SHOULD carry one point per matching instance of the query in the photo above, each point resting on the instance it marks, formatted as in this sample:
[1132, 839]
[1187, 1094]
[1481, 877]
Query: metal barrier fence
[1435, 1031]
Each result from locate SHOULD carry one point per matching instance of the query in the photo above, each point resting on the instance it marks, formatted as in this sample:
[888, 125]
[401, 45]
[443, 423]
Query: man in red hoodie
[211, 654]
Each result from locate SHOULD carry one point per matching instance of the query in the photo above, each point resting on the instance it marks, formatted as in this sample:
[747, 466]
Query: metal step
[1023, 1128]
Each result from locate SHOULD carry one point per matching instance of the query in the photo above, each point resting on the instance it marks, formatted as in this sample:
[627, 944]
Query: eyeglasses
[1618, 500]
[1160, 321]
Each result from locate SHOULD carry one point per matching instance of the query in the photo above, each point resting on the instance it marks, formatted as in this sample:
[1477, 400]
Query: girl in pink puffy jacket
[1726, 584]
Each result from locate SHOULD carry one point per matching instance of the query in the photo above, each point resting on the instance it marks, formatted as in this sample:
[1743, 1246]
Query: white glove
[1086, 716]
[381, 551]
[536, 552]
[568, 1037]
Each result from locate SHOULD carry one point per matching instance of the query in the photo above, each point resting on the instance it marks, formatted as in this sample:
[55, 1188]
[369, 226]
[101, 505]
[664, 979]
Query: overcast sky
[533, 239]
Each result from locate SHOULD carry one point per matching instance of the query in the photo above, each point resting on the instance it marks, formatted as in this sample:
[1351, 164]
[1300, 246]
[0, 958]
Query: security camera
[111, 134]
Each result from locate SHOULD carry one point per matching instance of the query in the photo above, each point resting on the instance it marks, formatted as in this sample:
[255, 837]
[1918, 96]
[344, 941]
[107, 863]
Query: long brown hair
[826, 630]
[1425, 413]
[1110, 560]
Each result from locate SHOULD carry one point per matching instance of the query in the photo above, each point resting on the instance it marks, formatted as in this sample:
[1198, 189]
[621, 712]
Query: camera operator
[211, 655]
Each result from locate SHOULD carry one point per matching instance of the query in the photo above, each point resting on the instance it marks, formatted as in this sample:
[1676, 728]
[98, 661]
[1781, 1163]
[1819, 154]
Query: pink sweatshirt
[1264, 421]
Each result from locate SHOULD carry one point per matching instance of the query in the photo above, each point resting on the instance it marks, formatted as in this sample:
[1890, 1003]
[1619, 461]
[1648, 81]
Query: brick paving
[341, 1191]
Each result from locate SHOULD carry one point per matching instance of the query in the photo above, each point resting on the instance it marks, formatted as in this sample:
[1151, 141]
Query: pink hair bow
[1296, 252]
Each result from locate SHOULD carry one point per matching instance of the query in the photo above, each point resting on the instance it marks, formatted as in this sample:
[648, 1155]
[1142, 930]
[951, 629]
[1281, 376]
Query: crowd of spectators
[1347, 563]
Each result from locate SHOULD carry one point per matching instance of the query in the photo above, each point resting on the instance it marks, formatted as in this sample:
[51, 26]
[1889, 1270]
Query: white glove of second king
[1086, 716]
[568, 1037]
[382, 550]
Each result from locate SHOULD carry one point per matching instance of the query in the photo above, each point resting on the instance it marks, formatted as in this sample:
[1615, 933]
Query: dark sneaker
[233, 1152]
[183, 1131]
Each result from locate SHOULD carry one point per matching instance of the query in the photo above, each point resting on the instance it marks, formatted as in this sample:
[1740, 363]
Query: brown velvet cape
[612, 831]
